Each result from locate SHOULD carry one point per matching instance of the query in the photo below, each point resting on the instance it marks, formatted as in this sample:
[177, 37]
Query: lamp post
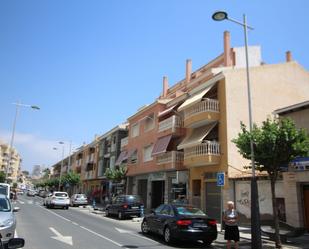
[62, 158]
[18, 105]
[256, 242]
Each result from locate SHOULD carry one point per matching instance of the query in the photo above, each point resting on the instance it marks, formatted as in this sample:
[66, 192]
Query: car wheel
[207, 242]
[144, 227]
[67, 207]
[120, 215]
[167, 235]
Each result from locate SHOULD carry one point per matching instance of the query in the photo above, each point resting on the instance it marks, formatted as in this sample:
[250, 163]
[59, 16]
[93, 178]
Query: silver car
[7, 219]
[79, 200]
[58, 199]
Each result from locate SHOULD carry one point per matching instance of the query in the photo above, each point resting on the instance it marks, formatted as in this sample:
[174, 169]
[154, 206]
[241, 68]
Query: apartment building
[109, 150]
[14, 165]
[295, 203]
[210, 102]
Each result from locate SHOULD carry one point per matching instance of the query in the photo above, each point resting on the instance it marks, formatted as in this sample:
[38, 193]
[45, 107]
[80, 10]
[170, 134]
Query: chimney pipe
[188, 70]
[227, 49]
[165, 86]
[288, 56]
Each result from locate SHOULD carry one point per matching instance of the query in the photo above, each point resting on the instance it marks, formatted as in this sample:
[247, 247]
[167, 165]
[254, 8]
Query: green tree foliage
[71, 178]
[2, 177]
[15, 185]
[117, 174]
[276, 143]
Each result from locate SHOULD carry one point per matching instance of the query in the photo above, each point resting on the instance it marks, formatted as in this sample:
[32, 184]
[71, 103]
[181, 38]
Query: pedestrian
[230, 219]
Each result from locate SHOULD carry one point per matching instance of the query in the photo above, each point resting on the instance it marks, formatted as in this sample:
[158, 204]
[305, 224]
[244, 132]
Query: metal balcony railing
[207, 105]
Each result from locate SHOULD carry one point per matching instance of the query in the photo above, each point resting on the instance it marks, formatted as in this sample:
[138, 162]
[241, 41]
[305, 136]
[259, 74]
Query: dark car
[124, 206]
[182, 222]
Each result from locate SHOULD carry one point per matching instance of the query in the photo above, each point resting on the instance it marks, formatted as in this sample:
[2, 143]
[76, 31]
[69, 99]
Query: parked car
[30, 193]
[78, 200]
[42, 193]
[124, 206]
[58, 199]
[46, 198]
[7, 219]
[182, 222]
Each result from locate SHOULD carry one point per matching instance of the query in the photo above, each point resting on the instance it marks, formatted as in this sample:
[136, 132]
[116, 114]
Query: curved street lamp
[255, 208]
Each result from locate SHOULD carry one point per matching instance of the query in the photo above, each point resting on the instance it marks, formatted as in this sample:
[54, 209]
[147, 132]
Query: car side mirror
[16, 209]
[16, 243]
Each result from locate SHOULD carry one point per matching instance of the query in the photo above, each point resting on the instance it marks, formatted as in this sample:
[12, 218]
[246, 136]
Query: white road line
[55, 214]
[21, 202]
[101, 236]
[74, 223]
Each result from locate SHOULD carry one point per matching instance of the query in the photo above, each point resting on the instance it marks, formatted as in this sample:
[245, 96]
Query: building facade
[14, 166]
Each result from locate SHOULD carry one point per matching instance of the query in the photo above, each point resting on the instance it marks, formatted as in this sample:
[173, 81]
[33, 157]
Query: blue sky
[91, 64]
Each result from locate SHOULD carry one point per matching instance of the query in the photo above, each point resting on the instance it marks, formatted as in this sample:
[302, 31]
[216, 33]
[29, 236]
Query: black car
[181, 222]
[124, 206]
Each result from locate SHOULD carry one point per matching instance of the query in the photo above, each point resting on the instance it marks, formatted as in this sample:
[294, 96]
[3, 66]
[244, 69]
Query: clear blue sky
[91, 64]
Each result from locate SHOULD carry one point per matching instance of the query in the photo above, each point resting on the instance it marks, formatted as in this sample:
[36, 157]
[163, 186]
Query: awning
[196, 137]
[121, 157]
[129, 154]
[194, 99]
[168, 110]
[161, 145]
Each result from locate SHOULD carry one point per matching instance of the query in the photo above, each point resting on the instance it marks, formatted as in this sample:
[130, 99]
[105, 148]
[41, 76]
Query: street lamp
[256, 242]
[18, 105]
[62, 156]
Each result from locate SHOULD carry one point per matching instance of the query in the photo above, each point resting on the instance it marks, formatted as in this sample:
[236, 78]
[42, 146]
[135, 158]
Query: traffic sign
[220, 179]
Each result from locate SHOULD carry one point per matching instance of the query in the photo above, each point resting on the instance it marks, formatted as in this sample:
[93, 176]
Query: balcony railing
[170, 123]
[170, 157]
[207, 105]
[206, 148]
[124, 142]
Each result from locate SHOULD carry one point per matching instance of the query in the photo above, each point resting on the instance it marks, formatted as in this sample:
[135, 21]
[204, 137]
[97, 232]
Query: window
[135, 130]
[149, 122]
[147, 153]
[134, 157]
[112, 162]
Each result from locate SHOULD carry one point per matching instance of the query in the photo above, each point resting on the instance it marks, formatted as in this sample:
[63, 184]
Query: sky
[89, 65]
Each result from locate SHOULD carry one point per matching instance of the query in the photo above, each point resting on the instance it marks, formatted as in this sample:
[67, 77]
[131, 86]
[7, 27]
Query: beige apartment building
[211, 102]
[296, 179]
[14, 167]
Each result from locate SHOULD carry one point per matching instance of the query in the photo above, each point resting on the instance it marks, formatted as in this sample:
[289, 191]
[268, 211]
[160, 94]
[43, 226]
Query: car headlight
[7, 223]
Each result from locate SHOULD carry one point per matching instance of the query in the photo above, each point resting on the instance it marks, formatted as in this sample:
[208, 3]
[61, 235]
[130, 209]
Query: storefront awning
[196, 137]
[194, 99]
[167, 111]
[121, 157]
[161, 145]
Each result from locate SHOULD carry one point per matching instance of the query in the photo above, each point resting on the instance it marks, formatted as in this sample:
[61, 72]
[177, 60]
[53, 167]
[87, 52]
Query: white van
[5, 189]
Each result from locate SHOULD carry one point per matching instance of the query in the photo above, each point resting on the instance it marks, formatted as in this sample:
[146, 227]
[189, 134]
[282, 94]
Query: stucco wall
[272, 87]
[301, 118]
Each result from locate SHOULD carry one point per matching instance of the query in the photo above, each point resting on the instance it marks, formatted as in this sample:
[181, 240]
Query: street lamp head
[35, 107]
[219, 16]
[61, 142]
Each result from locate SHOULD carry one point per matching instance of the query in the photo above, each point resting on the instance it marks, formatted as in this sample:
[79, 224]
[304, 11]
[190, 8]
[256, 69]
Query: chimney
[227, 49]
[188, 70]
[288, 56]
[165, 86]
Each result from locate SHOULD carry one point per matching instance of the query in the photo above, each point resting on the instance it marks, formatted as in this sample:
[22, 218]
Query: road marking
[30, 202]
[65, 239]
[55, 214]
[74, 223]
[101, 236]
[21, 202]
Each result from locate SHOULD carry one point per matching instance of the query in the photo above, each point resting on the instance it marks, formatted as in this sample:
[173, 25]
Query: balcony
[78, 169]
[171, 160]
[172, 124]
[124, 142]
[207, 153]
[206, 110]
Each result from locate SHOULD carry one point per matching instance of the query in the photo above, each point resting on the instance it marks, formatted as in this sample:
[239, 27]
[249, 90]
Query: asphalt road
[78, 228]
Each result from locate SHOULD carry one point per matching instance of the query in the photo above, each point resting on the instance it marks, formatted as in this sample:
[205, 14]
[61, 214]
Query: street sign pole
[220, 183]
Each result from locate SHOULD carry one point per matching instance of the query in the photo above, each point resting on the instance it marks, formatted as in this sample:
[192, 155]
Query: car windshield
[182, 210]
[5, 205]
[61, 194]
[3, 190]
[133, 198]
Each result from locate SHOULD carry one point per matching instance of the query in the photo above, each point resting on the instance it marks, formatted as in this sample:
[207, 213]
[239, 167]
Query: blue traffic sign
[220, 179]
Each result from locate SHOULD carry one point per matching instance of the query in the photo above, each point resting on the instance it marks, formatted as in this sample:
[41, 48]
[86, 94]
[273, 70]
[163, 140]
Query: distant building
[14, 165]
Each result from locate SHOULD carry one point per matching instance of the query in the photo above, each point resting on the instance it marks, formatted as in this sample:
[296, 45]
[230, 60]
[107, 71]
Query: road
[77, 228]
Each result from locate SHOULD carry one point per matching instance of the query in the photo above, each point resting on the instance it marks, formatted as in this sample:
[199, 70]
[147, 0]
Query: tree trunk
[275, 212]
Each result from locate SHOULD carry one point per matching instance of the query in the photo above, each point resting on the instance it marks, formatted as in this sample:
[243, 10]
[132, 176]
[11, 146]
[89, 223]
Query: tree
[25, 172]
[116, 174]
[2, 177]
[276, 143]
[15, 185]
[71, 178]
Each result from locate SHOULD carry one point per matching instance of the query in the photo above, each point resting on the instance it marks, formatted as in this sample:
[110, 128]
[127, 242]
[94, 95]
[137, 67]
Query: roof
[293, 108]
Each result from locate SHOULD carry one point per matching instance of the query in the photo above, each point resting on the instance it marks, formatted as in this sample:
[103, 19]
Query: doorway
[306, 206]
[142, 190]
[157, 193]
[213, 200]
